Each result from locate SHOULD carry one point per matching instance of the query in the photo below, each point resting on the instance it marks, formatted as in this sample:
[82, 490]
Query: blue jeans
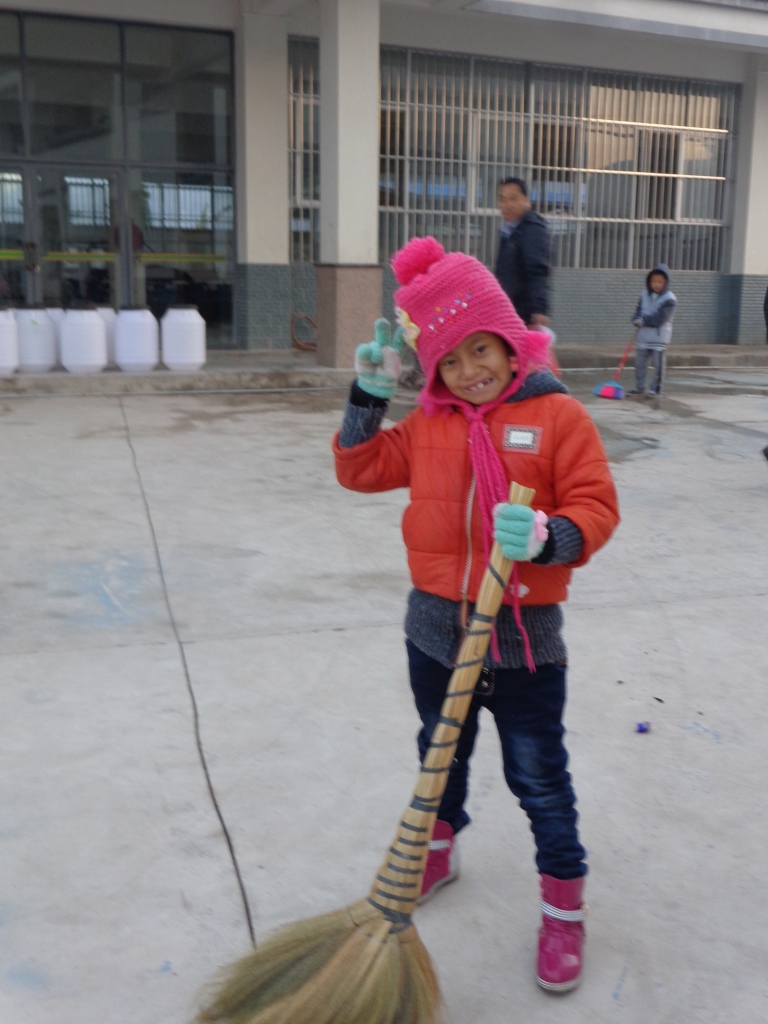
[528, 709]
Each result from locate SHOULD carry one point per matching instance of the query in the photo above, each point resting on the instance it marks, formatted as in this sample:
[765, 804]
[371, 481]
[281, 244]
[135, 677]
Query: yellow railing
[79, 257]
[111, 257]
[181, 257]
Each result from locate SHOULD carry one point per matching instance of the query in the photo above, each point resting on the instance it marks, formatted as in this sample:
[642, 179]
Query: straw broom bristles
[346, 967]
[366, 964]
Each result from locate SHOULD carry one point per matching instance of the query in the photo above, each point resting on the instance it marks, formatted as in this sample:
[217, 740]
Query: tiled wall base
[588, 306]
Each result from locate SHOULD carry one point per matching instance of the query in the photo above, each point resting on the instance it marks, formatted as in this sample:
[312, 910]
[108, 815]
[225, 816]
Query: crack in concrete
[188, 679]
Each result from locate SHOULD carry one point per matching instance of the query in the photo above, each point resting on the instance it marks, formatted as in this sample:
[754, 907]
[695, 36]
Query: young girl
[491, 412]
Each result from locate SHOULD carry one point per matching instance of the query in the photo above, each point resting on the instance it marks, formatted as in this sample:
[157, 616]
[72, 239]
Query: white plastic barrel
[9, 343]
[83, 341]
[37, 340]
[182, 330]
[56, 313]
[108, 315]
[137, 341]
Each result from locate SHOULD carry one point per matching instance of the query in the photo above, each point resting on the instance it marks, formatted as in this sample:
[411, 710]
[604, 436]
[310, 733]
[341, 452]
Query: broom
[366, 964]
[612, 388]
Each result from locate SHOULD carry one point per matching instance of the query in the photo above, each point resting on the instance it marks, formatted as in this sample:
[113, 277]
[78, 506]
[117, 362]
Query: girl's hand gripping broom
[366, 964]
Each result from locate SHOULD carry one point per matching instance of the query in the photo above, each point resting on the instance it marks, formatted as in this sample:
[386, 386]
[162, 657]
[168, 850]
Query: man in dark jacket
[522, 264]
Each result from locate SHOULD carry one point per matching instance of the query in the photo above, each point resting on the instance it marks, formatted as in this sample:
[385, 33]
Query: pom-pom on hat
[446, 297]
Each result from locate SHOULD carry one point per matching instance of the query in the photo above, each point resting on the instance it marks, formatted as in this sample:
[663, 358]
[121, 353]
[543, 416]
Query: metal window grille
[189, 207]
[641, 164]
[628, 169]
[304, 150]
[88, 201]
[11, 198]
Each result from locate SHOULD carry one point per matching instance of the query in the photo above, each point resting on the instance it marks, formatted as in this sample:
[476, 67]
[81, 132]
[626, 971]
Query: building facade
[263, 160]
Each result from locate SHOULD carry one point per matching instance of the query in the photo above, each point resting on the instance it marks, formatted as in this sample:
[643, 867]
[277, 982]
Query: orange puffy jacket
[546, 442]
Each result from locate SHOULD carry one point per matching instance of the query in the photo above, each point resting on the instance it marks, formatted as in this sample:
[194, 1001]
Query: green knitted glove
[520, 532]
[377, 363]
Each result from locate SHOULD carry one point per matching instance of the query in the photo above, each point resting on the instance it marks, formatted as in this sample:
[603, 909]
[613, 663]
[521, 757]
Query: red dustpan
[612, 388]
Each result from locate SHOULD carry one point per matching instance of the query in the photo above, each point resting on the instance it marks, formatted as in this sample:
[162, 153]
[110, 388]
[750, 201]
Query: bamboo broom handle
[397, 886]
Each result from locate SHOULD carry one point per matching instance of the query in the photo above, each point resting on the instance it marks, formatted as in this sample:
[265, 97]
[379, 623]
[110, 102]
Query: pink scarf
[492, 488]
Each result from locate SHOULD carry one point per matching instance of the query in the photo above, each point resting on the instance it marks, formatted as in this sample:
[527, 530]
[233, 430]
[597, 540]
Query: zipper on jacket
[468, 565]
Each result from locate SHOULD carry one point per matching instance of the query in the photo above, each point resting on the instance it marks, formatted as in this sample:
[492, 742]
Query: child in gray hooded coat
[653, 319]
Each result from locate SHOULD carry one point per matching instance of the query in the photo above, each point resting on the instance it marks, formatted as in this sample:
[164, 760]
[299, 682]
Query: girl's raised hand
[377, 363]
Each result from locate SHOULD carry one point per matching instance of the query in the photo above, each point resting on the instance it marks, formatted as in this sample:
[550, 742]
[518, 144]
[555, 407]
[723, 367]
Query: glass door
[76, 235]
[71, 234]
[13, 252]
[182, 244]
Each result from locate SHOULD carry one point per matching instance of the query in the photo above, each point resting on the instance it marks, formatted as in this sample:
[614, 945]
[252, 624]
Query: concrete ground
[205, 712]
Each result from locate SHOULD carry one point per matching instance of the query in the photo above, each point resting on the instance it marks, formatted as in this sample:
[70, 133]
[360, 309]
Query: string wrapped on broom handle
[397, 886]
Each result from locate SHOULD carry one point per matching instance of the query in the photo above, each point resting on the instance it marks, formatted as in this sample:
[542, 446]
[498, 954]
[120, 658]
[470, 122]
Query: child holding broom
[653, 319]
[491, 411]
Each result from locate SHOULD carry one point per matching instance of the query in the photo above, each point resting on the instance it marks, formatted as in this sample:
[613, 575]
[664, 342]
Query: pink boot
[561, 937]
[442, 861]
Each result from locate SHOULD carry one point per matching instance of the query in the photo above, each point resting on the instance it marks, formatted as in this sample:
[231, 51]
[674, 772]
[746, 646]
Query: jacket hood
[539, 382]
[660, 268]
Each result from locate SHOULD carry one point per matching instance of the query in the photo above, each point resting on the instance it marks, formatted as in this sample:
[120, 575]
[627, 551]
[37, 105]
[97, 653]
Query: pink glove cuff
[540, 521]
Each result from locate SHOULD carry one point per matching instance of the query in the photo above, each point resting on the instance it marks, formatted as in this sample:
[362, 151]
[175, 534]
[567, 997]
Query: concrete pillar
[749, 250]
[263, 273]
[349, 278]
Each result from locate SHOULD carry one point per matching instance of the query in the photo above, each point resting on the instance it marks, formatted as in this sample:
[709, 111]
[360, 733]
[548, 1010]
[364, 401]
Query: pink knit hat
[444, 299]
